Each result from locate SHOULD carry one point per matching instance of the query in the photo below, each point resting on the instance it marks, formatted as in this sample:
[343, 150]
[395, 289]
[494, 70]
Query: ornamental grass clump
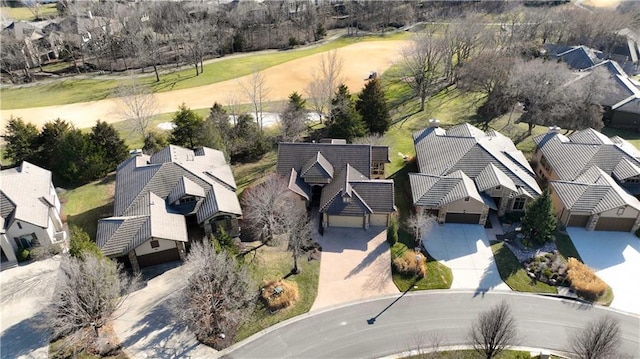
[411, 263]
[279, 294]
[584, 281]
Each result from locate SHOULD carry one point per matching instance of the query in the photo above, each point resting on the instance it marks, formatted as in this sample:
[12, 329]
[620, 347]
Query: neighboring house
[342, 180]
[30, 211]
[41, 45]
[465, 172]
[159, 199]
[592, 179]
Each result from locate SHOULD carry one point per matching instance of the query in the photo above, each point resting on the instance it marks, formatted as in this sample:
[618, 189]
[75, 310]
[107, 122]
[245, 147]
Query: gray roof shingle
[296, 155]
[433, 191]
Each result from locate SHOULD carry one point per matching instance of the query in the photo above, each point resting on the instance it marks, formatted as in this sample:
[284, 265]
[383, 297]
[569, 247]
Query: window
[518, 203]
[154, 243]
[498, 188]
[187, 199]
[26, 241]
[466, 199]
[346, 199]
[377, 168]
[19, 225]
[620, 211]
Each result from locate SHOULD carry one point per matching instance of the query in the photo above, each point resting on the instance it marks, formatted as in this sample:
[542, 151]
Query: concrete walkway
[465, 249]
[355, 265]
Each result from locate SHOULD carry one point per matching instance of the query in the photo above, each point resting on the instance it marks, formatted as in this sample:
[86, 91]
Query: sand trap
[602, 3]
[359, 60]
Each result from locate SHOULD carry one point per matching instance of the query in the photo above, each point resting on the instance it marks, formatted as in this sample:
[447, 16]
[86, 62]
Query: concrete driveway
[615, 256]
[355, 265]
[465, 249]
[26, 290]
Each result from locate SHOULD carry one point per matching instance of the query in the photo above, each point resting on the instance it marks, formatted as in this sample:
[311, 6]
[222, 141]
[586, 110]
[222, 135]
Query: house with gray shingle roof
[592, 179]
[343, 180]
[464, 172]
[29, 211]
[156, 196]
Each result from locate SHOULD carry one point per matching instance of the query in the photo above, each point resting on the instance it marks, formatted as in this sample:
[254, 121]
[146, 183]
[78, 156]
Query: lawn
[82, 90]
[247, 173]
[565, 245]
[472, 354]
[512, 272]
[438, 275]
[275, 263]
[23, 13]
[85, 205]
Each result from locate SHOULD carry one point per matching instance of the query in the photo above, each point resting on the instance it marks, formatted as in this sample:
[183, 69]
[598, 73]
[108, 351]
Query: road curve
[348, 332]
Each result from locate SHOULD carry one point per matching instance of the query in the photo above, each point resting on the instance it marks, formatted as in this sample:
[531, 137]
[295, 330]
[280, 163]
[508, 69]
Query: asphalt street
[390, 325]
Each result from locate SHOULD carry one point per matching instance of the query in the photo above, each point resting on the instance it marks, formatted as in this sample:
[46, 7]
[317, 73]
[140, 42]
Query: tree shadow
[24, 338]
[373, 319]
[371, 257]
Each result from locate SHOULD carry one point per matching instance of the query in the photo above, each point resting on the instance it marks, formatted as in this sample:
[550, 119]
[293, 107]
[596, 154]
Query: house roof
[436, 191]
[29, 188]
[317, 166]
[299, 186]
[466, 148]
[594, 191]
[297, 155]
[492, 177]
[364, 195]
[571, 156]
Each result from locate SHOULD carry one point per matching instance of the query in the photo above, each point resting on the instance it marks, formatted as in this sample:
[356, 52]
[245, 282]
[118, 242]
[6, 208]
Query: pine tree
[372, 106]
[20, 139]
[108, 144]
[539, 221]
[187, 128]
[345, 121]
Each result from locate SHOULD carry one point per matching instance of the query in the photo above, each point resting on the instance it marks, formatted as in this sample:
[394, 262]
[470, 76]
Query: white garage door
[378, 220]
[346, 221]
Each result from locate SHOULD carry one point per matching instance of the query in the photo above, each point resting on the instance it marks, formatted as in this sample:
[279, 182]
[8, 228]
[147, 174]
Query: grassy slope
[85, 205]
[23, 13]
[81, 90]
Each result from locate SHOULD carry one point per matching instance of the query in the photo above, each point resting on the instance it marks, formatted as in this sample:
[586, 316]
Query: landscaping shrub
[224, 241]
[584, 281]
[80, 243]
[275, 300]
[408, 264]
[22, 254]
[44, 252]
[392, 231]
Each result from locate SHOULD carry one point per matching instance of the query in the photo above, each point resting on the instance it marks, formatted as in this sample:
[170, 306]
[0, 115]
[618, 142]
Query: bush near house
[44, 252]
[23, 254]
[584, 281]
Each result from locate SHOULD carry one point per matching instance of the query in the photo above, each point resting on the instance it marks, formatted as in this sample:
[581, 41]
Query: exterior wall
[558, 207]
[346, 221]
[543, 168]
[44, 235]
[629, 212]
[145, 248]
[460, 206]
[379, 219]
[9, 252]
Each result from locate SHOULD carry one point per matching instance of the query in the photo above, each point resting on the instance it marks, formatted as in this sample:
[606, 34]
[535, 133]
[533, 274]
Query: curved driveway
[348, 332]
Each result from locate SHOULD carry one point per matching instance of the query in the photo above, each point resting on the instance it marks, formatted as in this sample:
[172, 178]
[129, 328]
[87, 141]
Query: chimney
[555, 129]
[434, 123]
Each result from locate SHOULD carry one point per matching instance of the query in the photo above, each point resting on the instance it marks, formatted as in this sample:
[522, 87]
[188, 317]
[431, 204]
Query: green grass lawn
[23, 13]
[512, 272]
[438, 275]
[81, 90]
[565, 246]
[273, 263]
[246, 173]
[85, 205]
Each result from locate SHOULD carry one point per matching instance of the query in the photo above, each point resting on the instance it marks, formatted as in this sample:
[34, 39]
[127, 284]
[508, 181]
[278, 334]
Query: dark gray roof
[578, 58]
[364, 196]
[593, 192]
[433, 191]
[631, 106]
[299, 186]
[380, 154]
[318, 167]
[571, 156]
[466, 148]
[296, 155]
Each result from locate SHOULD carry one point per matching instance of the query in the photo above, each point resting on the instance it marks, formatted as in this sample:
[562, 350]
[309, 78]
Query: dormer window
[620, 211]
[466, 199]
[346, 199]
[185, 199]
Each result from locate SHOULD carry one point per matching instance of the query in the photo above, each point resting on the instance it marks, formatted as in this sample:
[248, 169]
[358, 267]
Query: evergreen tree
[188, 126]
[293, 120]
[50, 143]
[155, 141]
[539, 221]
[372, 106]
[345, 121]
[20, 141]
[108, 144]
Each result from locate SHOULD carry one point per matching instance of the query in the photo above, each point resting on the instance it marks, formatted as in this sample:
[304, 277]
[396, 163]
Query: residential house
[162, 200]
[592, 179]
[40, 44]
[30, 211]
[463, 173]
[345, 181]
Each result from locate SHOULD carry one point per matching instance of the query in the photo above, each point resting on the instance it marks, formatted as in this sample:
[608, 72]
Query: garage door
[578, 221]
[346, 221]
[158, 257]
[615, 224]
[378, 220]
[462, 218]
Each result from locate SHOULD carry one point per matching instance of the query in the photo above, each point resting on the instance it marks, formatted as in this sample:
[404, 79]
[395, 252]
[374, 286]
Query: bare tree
[88, 292]
[219, 294]
[494, 331]
[374, 140]
[597, 340]
[256, 91]
[419, 66]
[299, 233]
[423, 346]
[266, 207]
[234, 106]
[136, 103]
[326, 79]
[420, 224]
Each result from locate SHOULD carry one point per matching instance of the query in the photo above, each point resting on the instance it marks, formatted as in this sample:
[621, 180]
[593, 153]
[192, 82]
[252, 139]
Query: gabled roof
[185, 187]
[317, 166]
[578, 57]
[626, 169]
[571, 156]
[594, 192]
[466, 148]
[297, 155]
[364, 196]
[492, 177]
[436, 191]
[29, 188]
[299, 186]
